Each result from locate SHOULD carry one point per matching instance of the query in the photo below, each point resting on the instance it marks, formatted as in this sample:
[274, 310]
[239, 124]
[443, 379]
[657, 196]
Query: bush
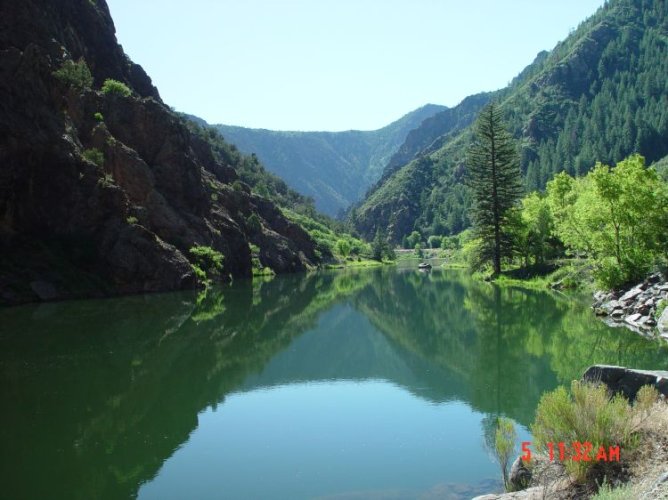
[435, 241]
[607, 492]
[253, 223]
[342, 248]
[75, 74]
[208, 262]
[98, 117]
[94, 156]
[114, 87]
[106, 181]
[587, 415]
[504, 445]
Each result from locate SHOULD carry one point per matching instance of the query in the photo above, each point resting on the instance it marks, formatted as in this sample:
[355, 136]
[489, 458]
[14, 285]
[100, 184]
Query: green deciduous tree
[343, 248]
[618, 216]
[435, 241]
[532, 226]
[413, 239]
[494, 177]
[380, 247]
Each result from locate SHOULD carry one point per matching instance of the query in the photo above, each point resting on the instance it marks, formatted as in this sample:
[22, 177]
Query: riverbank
[641, 307]
[638, 471]
[359, 263]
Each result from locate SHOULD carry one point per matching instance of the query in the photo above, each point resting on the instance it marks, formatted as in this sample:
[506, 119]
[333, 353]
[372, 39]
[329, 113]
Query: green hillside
[599, 95]
[334, 168]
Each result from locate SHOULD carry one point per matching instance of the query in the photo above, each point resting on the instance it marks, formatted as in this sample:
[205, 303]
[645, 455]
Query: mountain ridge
[599, 95]
[334, 168]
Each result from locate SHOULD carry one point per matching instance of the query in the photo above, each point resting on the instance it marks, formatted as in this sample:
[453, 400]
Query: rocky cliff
[103, 193]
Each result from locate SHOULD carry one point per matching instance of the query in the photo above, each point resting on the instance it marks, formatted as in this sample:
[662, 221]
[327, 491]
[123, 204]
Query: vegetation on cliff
[103, 188]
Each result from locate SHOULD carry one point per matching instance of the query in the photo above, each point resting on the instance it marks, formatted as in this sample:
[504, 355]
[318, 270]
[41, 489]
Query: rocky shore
[649, 475]
[641, 308]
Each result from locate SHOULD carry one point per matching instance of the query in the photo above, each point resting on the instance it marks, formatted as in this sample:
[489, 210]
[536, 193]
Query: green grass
[607, 492]
[566, 274]
[454, 265]
[359, 264]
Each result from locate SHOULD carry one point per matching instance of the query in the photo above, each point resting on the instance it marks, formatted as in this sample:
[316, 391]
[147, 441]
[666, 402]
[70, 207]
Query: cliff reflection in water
[99, 394]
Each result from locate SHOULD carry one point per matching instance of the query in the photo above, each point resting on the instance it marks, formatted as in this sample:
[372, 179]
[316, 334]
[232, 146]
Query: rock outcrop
[636, 308]
[520, 476]
[627, 381]
[104, 194]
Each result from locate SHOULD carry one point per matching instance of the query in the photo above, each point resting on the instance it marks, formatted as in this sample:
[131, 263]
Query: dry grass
[642, 474]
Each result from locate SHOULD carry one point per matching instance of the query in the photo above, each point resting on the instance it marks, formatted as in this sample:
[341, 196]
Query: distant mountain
[334, 168]
[599, 95]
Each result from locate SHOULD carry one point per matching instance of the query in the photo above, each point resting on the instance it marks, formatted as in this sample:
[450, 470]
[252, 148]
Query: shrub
[418, 250]
[98, 117]
[95, 156]
[607, 492]
[114, 87]
[253, 223]
[75, 74]
[107, 180]
[208, 263]
[587, 415]
[343, 248]
[435, 241]
[504, 445]
[132, 220]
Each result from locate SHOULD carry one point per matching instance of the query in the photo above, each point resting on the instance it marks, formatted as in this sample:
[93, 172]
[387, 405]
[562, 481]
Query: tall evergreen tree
[494, 177]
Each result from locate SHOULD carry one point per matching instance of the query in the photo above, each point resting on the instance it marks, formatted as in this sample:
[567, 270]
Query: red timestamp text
[576, 451]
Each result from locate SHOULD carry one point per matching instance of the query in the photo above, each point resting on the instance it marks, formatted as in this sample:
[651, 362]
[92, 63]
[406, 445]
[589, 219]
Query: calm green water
[376, 384]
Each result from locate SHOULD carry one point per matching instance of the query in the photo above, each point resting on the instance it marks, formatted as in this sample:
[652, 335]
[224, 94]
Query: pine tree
[494, 177]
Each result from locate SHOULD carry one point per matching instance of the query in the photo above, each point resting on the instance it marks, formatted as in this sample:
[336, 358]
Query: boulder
[627, 381]
[662, 324]
[631, 294]
[609, 307]
[520, 475]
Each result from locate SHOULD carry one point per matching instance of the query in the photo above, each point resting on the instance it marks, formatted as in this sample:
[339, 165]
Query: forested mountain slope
[599, 95]
[103, 189]
[334, 168]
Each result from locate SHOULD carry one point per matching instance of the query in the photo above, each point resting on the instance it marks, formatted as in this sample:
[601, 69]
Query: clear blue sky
[334, 64]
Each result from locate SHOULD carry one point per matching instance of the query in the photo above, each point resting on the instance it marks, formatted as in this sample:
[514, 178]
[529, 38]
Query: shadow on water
[97, 395]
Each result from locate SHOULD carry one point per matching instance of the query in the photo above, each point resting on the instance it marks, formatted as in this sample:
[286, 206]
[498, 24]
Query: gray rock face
[72, 227]
[520, 476]
[662, 324]
[627, 381]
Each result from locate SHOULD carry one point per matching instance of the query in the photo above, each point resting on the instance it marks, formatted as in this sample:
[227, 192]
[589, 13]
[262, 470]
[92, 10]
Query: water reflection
[99, 394]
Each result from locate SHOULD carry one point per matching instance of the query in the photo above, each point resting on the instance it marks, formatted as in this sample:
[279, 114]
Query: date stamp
[575, 451]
